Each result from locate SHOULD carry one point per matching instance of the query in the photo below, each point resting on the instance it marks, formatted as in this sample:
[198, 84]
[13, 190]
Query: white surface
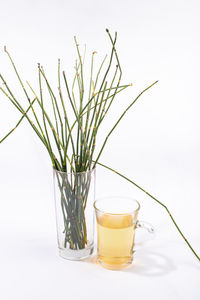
[157, 145]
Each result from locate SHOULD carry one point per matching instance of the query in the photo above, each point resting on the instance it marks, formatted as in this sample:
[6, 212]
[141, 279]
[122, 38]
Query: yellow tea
[115, 240]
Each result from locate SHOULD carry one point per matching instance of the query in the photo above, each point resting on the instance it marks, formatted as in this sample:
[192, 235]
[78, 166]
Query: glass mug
[117, 219]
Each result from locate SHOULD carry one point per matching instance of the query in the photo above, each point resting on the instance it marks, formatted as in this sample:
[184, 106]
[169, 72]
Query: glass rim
[117, 197]
[74, 173]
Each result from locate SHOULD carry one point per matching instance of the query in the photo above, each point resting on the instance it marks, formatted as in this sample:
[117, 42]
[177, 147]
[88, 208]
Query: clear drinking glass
[117, 220]
[74, 199]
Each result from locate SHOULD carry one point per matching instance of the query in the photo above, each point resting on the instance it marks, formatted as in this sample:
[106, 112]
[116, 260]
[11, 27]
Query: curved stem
[163, 205]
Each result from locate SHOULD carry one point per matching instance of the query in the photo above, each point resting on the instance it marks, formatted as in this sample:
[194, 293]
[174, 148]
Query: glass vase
[74, 198]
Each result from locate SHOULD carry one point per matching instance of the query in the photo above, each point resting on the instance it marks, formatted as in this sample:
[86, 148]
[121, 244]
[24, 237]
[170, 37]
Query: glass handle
[147, 226]
[145, 238]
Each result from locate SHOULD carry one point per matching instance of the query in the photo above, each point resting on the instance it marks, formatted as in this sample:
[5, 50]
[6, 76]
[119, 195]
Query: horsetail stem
[105, 141]
[155, 199]
[18, 123]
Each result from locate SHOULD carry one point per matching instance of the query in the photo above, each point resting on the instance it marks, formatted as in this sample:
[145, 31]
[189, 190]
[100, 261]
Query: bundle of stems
[71, 146]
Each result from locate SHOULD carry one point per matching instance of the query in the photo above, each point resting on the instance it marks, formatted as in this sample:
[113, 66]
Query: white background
[157, 145]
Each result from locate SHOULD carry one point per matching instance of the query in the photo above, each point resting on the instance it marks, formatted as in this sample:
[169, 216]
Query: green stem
[101, 87]
[163, 205]
[55, 100]
[105, 141]
[43, 116]
[17, 122]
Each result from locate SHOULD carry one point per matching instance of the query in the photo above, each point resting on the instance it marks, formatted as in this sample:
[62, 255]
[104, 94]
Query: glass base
[76, 254]
[114, 266]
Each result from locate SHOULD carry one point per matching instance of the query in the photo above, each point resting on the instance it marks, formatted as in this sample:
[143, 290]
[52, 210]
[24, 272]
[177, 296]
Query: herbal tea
[115, 240]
